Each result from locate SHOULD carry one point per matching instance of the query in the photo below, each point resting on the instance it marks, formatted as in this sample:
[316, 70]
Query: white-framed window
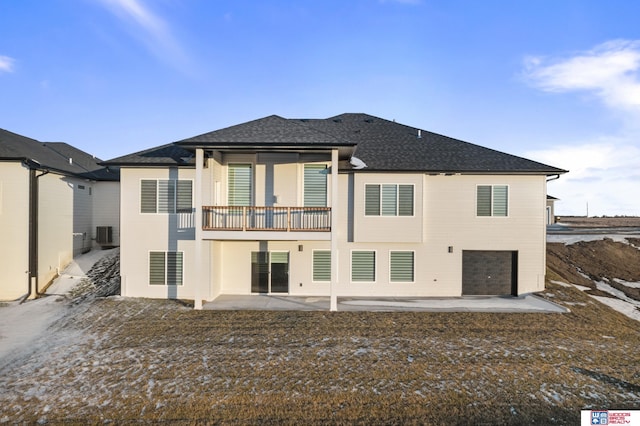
[239, 184]
[315, 185]
[492, 200]
[388, 199]
[166, 267]
[166, 196]
[363, 266]
[321, 269]
[401, 266]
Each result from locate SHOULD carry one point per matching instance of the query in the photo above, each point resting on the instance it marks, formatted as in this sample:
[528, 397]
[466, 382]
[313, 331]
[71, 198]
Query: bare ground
[129, 360]
[120, 360]
[601, 222]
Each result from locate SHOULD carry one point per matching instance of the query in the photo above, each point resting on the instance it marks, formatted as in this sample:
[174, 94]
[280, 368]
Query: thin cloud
[153, 31]
[6, 64]
[609, 70]
[603, 170]
[602, 174]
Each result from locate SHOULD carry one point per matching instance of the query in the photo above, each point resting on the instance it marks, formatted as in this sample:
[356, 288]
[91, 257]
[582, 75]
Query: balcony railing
[231, 218]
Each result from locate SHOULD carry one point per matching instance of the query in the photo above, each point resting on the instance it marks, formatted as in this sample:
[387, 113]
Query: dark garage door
[489, 272]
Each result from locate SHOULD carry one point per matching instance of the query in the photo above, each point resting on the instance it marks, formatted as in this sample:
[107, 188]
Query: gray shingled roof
[389, 146]
[164, 155]
[382, 144]
[53, 156]
[271, 130]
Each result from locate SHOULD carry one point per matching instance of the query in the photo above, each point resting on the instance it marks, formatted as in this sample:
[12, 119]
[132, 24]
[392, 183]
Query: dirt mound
[602, 260]
[103, 280]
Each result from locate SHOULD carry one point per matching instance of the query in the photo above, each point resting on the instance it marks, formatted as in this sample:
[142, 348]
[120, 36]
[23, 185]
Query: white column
[333, 305]
[198, 224]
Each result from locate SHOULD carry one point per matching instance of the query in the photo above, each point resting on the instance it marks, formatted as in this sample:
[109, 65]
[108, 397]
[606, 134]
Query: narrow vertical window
[401, 266]
[363, 266]
[148, 196]
[166, 196]
[157, 268]
[315, 185]
[321, 265]
[184, 196]
[483, 204]
[240, 177]
[372, 200]
[174, 268]
[500, 200]
[405, 200]
[389, 200]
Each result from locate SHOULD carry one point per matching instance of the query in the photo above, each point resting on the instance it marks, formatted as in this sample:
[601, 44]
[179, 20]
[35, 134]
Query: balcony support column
[198, 218]
[333, 298]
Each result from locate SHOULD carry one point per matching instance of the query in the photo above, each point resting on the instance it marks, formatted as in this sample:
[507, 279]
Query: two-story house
[352, 205]
[56, 202]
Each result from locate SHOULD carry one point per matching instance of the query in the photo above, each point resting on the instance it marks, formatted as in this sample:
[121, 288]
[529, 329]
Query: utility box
[104, 235]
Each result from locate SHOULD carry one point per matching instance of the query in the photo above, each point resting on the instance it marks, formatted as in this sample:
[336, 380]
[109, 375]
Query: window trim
[157, 196]
[397, 196]
[166, 268]
[413, 267]
[313, 280]
[375, 266]
[492, 186]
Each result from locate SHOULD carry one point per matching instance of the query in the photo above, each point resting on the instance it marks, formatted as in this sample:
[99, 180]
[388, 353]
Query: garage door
[489, 272]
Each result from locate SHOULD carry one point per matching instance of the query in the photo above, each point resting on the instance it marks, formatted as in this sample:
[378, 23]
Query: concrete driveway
[525, 303]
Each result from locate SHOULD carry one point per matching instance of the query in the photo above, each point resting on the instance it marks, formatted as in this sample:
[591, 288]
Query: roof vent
[70, 160]
[337, 120]
[419, 134]
[368, 120]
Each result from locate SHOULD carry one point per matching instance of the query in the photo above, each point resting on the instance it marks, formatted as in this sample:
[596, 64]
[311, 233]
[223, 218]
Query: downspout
[32, 275]
[553, 177]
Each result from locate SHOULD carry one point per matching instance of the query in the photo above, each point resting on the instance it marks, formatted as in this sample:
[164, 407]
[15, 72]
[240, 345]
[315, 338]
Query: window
[492, 200]
[315, 185]
[388, 200]
[166, 196]
[321, 265]
[363, 266]
[165, 268]
[401, 266]
[240, 178]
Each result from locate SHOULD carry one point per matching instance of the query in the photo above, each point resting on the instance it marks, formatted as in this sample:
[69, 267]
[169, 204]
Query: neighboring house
[551, 210]
[352, 205]
[52, 199]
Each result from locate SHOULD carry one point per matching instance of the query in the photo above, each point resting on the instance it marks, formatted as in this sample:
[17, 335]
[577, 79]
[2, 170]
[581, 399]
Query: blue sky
[556, 81]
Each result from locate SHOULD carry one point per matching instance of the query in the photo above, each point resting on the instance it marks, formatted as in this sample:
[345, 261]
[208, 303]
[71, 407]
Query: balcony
[282, 219]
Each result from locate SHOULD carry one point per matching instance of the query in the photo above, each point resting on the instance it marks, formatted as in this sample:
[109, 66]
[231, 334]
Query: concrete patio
[526, 303]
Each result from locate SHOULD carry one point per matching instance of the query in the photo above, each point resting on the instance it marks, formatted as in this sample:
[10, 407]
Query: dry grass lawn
[127, 360]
